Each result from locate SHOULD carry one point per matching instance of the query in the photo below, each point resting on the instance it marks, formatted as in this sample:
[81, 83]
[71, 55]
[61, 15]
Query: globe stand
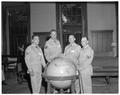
[49, 85]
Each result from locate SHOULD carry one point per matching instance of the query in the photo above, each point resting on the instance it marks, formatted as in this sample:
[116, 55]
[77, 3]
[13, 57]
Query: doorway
[15, 26]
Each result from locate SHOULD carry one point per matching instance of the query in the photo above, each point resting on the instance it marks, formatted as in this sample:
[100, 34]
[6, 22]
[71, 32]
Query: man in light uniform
[85, 66]
[34, 60]
[52, 48]
[72, 52]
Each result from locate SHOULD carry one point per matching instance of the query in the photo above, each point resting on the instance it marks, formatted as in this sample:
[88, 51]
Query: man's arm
[28, 58]
[46, 52]
[65, 50]
[42, 59]
[60, 48]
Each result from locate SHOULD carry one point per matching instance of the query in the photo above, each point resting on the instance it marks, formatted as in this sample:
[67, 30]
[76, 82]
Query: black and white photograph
[59, 47]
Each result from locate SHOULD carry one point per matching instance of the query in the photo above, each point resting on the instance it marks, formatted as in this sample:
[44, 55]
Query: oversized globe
[61, 67]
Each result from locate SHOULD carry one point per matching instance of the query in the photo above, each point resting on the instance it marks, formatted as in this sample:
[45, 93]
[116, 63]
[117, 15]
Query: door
[71, 19]
[16, 25]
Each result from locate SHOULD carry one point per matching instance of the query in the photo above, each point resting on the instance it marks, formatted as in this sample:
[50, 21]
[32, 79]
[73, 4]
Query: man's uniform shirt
[34, 58]
[52, 49]
[72, 52]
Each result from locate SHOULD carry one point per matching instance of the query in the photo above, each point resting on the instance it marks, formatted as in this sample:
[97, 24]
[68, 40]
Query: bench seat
[105, 71]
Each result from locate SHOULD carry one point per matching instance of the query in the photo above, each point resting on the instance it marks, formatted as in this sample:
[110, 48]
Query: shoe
[55, 91]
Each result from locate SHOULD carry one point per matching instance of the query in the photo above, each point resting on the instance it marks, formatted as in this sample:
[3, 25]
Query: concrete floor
[99, 84]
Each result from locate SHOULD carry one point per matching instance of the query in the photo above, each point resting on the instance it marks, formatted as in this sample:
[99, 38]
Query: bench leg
[107, 78]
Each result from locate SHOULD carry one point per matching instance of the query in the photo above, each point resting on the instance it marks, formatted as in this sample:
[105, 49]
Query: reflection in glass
[71, 14]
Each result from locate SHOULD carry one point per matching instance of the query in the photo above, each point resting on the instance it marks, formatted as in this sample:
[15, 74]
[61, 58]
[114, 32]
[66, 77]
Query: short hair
[52, 30]
[72, 35]
[34, 36]
[85, 37]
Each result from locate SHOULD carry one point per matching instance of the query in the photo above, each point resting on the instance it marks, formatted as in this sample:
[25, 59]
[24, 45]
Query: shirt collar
[73, 44]
[53, 40]
[86, 46]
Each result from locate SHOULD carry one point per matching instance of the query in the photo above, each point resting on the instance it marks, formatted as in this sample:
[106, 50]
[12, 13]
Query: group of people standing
[82, 57]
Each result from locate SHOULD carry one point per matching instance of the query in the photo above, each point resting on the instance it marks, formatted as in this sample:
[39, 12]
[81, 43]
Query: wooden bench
[9, 62]
[106, 72]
